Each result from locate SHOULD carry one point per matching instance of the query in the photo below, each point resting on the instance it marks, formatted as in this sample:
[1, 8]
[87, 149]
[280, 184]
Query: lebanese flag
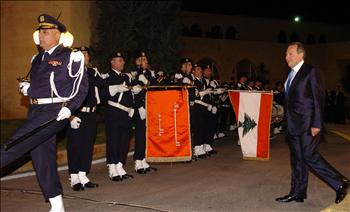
[253, 113]
[168, 137]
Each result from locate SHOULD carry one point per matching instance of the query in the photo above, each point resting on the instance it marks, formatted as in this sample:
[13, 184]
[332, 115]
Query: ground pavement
[223, 182]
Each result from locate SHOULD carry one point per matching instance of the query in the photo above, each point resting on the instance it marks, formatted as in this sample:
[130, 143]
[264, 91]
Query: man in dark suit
[304, 98]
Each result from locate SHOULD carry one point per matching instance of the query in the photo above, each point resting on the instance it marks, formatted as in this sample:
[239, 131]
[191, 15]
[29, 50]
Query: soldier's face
[197, 72]
[49, 38]
[207, 73]
[86, 57]
[144, 62]
[118, 63]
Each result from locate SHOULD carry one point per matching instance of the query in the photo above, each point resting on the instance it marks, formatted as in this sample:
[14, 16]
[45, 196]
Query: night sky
[333, 12]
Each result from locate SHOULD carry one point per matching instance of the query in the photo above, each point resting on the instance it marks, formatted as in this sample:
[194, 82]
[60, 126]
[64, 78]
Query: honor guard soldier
[82, 132]
[183, 76]
[119, 112]
[211, 116]
[200, 108]
[224, 110]
[56, 89]
[241, 84]
[259, 85]
[145, 77]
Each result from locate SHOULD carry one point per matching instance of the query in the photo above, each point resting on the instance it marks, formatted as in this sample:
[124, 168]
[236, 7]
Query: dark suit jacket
[304, 101]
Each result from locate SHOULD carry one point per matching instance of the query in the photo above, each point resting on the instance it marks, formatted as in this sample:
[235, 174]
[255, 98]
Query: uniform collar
[116, 71]
[52, 49]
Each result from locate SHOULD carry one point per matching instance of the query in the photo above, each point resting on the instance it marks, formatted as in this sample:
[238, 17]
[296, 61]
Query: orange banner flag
[168, 137]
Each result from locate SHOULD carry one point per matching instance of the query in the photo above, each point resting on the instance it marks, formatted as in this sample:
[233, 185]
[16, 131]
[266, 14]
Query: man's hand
[315, 131]
[23, 87]
[142, 113]
[136, 89]
[63, 114]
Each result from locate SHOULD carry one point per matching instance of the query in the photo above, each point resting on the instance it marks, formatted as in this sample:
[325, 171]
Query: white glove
[133, 73]
[23, 86]
[178, 76]
[142, 113]
[136, 89]
[63, 114]
[219, 91]
[212, 84]
[203, 93]
[153, 74]
[114, 89]
[104, 76]
[143, 79]
[186, 80]
[214, 110]
[75, 122]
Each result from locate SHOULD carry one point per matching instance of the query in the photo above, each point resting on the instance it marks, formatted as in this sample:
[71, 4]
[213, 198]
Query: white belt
[209, 106]
[88, 109]
[129, 110]
[41, 101]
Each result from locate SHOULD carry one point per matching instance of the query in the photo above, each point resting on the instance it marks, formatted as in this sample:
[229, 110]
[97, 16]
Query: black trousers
[80, 143]
[224, 113]
[199, 124]
[42, 148]
[118, 133]
[303, 156]
[140, 137]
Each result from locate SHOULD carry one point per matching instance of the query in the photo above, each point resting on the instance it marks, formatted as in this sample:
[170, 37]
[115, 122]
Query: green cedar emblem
[247, 125]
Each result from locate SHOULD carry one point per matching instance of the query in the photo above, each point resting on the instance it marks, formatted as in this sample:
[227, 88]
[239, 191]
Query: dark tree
[134, 26]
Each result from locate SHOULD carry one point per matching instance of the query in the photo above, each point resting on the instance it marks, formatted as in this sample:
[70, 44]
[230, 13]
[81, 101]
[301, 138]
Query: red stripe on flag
[234, 97]
[264, 126]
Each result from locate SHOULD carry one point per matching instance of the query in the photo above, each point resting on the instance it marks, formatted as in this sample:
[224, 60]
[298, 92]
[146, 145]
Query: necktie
[45, 56]
[289, 80]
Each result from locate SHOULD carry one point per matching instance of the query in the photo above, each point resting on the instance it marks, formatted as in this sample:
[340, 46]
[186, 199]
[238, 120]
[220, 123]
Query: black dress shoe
[78, 187]
[150, 169]
[127, 176]
[341, 193]
[140, 171]
[202, 156]
[346, 182]
[289, 198]
[116, 178]
[90, 185]
[212, 152]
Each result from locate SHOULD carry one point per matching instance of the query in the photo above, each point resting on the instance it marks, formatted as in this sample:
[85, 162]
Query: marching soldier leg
[44, 161]
[17, 151]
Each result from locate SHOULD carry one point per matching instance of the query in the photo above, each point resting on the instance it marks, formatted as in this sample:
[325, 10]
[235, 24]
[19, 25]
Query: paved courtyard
[223, 182]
